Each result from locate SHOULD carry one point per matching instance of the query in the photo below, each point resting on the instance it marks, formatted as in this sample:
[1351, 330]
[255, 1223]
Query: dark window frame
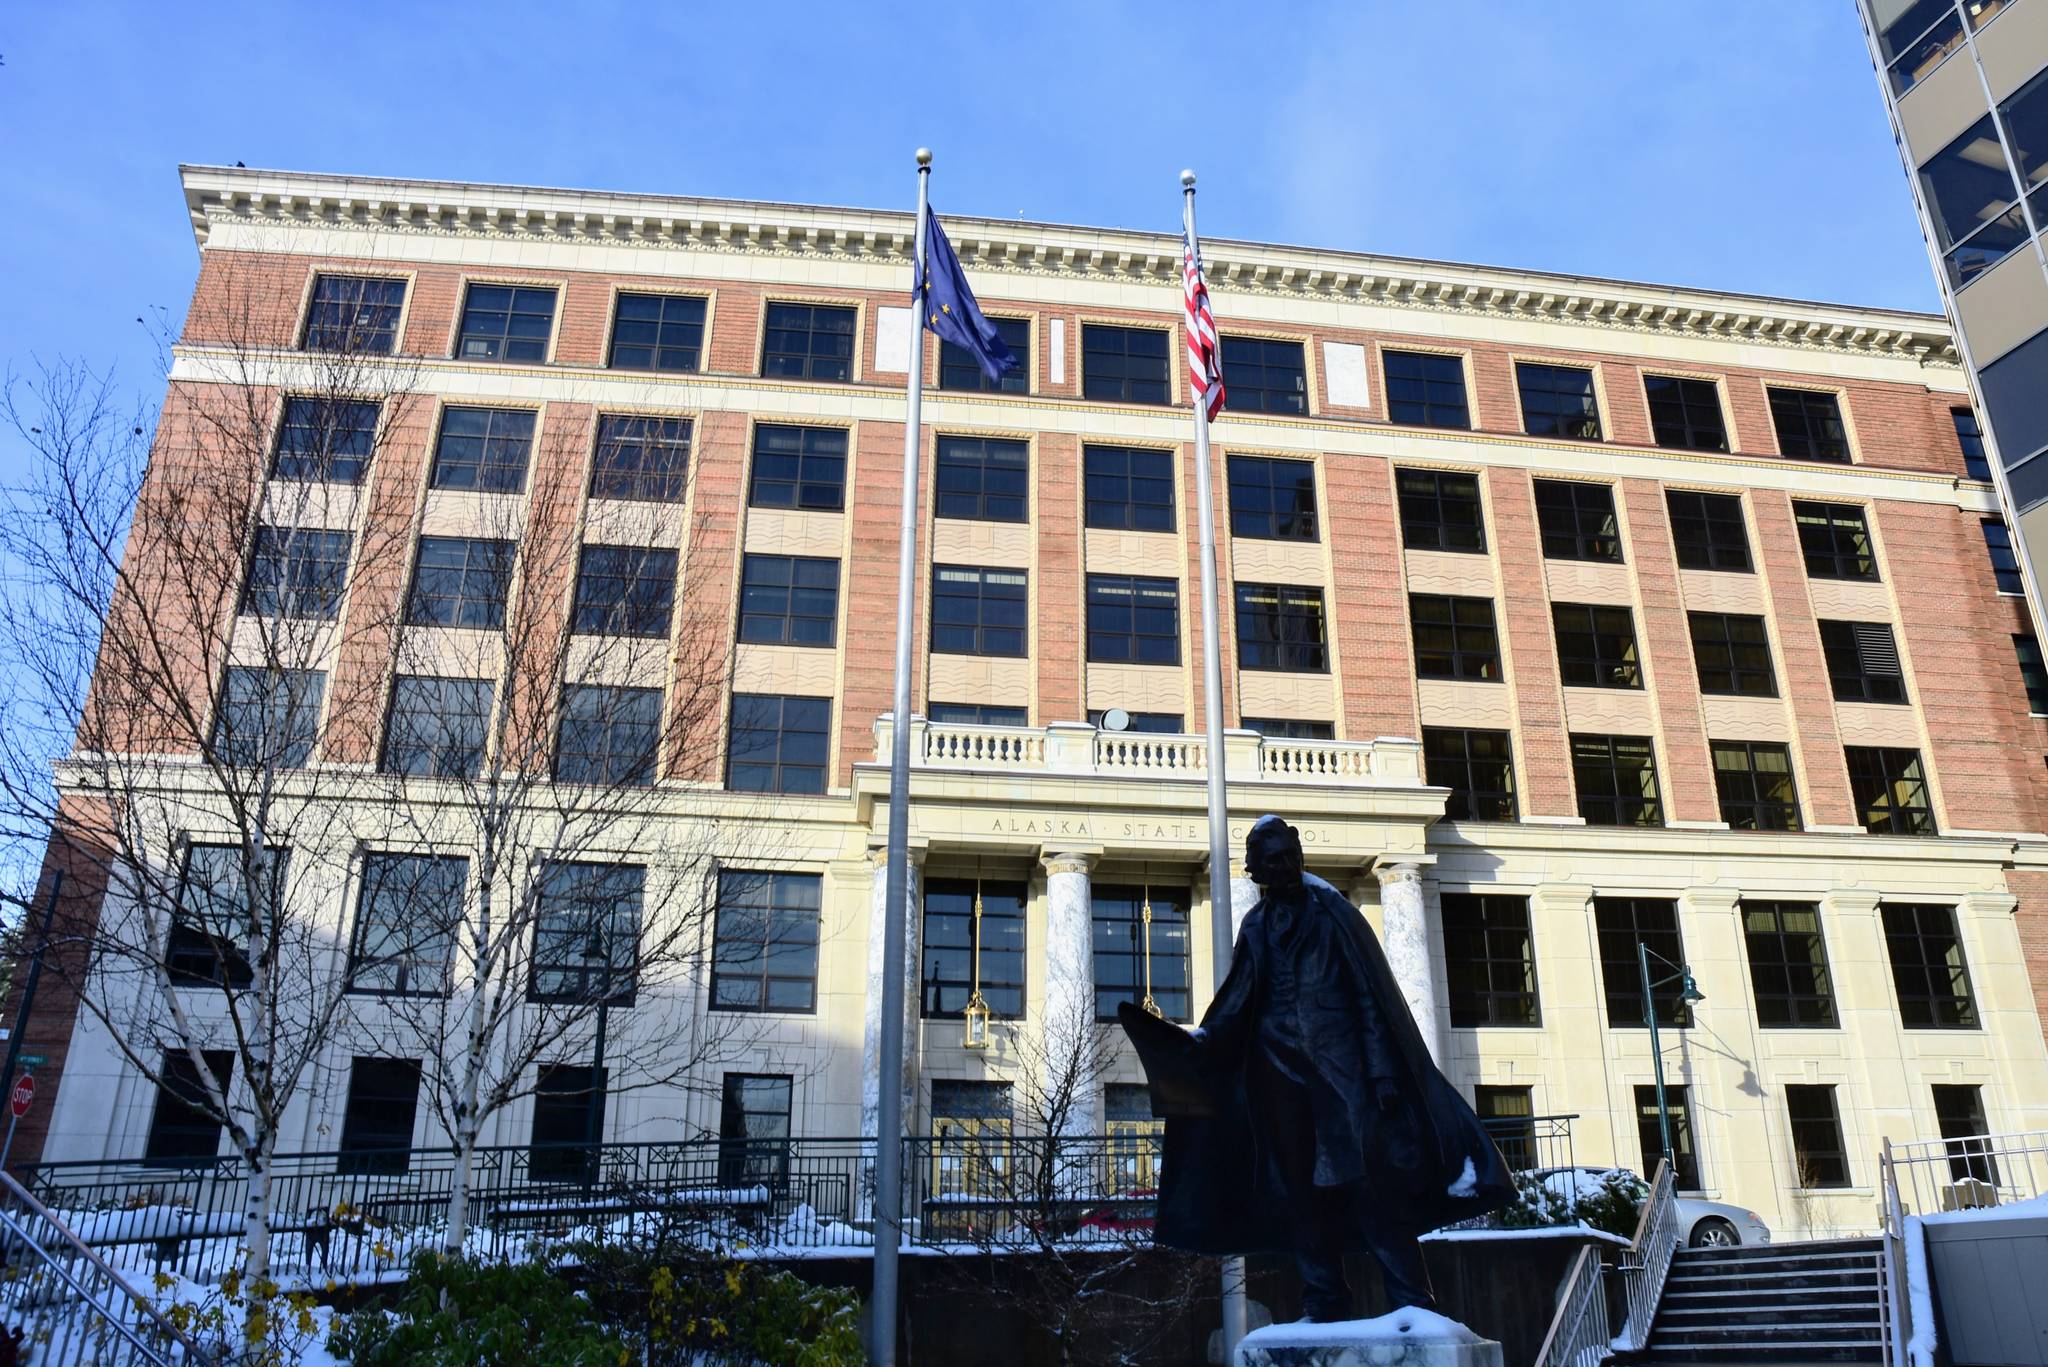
[1275, 637]
[1731, 654]
[976, 714]
[1619, 925]
[493, 459]
[1419, 385]
[1595, 756]
[1116, 612]
[641, 458]
[1597, 645]
[1289, 728]
[373, 1140]
[202, 947]
[1127, 385]
[1740, 789]
[1685, 1160]
[2033, 672]
[764, 916]
[1835, 546]
[297, 574]
[1970, 441]
[1460, 770]
[2005, 558]
[1932, 982]
[1263, 508]
[1679, 409]
[1450, 639]
[1862, 661]
[617, 746]
[255, 704]
[1790, 979]
[753, 1140]
[1552, 416]
[180, 1134]
[449, 739]
[1819, 1155]
[1802, 418]
[1133, 513]
[325, 440]
[1878, 777]
[470, 596]
[624, 591]
[810, 774]
[328, 330]
[505, 340]
[573, 898]
[1427, 508]
[957, 633]
[410, 959]
[816, 468]
[1247, 378]
[1708, 531]
[1577, 520]
[787, 322]
[1005, 995]
[1490, 961]
[957, 364]
[982, 479]
[1121, 936]
[671, 345]
[787, 600]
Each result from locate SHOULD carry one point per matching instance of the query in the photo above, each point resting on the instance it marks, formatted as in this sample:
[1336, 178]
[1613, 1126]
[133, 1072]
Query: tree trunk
[256, 1210]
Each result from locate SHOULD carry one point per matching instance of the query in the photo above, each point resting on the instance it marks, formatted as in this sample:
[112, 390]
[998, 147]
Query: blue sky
[1740, 144]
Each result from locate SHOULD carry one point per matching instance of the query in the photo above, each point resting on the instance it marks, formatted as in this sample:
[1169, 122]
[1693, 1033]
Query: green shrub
[726, 1311]
[1536, 1206]
[457, 1313]
[1614, 1203]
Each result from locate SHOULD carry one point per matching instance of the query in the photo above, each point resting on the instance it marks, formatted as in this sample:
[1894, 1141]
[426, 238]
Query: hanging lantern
[976, 1015]
[1145, 925]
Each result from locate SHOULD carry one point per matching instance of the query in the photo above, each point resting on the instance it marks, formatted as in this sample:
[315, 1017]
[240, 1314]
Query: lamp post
[598, 968]
[1688, 994]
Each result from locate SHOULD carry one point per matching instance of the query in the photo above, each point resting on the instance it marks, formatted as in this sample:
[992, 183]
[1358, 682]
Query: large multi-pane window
[406, 920]
[1577, 520]
[297, 573]
[1274, 500]
[1135, 1136]
[641, 458]
[764, 953]
[1281, 627]
[377, 1118]
[1817, 1148]
[1596, 646]
[1490, 960]
[658, 332]
[183, 1129]
[1128, 489]
[1508, 1114]
[1289, 728]
[1970, 437]
[808, 342]
[798, 467]
[1834, 539]
[778, 743]
[354, 313]
[973, 940]
[1685, 1161]
[460, 581]
[1625, 927]
[206, 946]
[1890, 790]
[1425, 389]
[1454, 637]
[483, 450]
[753, 1130]
[977, 714]
[438, 727]
[1809, 425]
[1788, 964]
[1127, 365]
[1264, 376]
[970, 1151]
[984, 479]
[978, 611]
[506, 323]
[1141, 949]
[959, 369]
[1558, 401]
[1928, 968]
[326, 440]
[268, 717]
[1968, 187]
[1440, 510]
[1959, 1115]
[789, 600]
[1616, 777]
[625, 591]
[1753, 780]
[1133, 619]
[2033, 673]
[1733, 654]
[586, 932]
[1917, 36]
[1707, 530]
[1863, 662]
[1144, 723]
[568, 1116]
[1479, 769]
[610, 735]
[1685, 414]
[2005, 561]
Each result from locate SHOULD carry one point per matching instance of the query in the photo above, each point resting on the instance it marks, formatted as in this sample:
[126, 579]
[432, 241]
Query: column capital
[1851, 902]
[878, 855]
[1712, 899]
[1561, 896]
[1068, 859]
[1398, 872]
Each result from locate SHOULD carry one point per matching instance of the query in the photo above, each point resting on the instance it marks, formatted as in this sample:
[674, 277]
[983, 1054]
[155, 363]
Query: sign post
[18, 1101]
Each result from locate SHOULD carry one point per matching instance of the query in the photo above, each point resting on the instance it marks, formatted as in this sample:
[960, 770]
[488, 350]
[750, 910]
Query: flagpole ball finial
[1187, 180]
[924, 156]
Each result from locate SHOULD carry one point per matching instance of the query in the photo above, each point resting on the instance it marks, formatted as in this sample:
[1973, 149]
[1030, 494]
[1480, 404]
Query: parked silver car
[1706, 1224]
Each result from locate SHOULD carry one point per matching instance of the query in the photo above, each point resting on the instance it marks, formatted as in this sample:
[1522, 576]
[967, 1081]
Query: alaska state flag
[949, 308]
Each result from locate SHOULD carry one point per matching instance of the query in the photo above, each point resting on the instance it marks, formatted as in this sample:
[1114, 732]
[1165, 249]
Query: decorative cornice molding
[216, 195]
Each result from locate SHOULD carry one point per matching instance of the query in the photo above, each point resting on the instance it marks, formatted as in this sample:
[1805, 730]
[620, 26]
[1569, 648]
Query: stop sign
[24, 1096]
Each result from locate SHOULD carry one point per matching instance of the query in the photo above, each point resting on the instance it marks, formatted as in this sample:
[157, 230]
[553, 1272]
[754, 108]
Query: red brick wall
[707, 593]
[1371, 599]
[1665, 635]
[2030, 918]
[1802, 669]
[1545, 771]
[1226, 592]
[1058, 639]
[875, 501]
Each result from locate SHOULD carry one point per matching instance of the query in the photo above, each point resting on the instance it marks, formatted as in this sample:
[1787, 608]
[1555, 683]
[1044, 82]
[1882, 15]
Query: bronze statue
[1304, 1115]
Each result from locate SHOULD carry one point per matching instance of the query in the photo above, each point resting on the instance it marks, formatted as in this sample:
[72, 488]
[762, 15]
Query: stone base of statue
[1405, 1338]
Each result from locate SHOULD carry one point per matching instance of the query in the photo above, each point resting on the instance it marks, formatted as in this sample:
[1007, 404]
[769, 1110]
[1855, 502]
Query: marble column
[1244, 895]
[1405, 917]
[871, 1030]
[1071, 1062]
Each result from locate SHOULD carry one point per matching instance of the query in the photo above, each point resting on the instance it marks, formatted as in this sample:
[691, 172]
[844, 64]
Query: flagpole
[896, 888]
[1222, 938]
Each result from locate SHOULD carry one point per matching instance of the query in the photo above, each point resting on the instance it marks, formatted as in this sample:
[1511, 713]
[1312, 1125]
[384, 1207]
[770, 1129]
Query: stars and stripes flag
[1205, 358]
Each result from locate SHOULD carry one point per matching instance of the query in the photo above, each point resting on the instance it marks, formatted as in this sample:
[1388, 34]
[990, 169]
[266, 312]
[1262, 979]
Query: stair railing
[1895, 1308]
[1646, 1262]
[1578, 1335]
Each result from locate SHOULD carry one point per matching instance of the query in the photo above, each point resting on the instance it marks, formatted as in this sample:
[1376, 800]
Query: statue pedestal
[1405, 1338]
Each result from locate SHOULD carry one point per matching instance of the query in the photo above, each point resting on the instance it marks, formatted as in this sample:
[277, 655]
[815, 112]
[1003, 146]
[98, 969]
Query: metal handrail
[1579, 1336]
[1646, 1262]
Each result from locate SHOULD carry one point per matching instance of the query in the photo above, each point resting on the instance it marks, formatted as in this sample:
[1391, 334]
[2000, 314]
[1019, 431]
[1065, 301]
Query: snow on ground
[2034, 1208]
[1398, 1326]
[1577, 1231]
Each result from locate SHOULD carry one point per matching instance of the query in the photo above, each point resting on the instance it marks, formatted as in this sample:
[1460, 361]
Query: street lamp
[595, 953]
[1688, 993]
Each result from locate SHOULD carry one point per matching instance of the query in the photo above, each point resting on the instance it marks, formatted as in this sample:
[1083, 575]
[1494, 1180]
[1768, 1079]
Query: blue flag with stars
[949, 309]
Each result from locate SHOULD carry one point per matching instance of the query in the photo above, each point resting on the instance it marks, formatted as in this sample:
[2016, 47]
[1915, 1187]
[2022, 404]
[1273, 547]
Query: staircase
[1795, 1303]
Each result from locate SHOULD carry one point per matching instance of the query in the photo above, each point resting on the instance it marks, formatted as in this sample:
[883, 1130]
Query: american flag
[1205, 359]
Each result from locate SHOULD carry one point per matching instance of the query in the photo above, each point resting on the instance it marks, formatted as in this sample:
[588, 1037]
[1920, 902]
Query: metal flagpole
[1221, 929]
[889, 1093]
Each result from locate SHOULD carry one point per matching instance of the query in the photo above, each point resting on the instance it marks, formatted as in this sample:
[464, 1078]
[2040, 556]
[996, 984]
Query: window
[984, 479]
[506, 323]
[753, 1131]
[269, 717]
[1596, 646]
[1454, 637]
[2005, 562]
[1685, 414]
[1733, 654]
[1809, 425]
[1835, 540]
[1280, 626]
[976, 714]
[779, 744]
[1754, 781]
[182, 1129]
[1440, 511]
[1126, 365]
[209, 922]
[1928, 970]
[1558, 401]
[2033, 673]
[1707, 530]
[376, 1121]
[1479, 769]
[1617, 781]
[1959, 1113]
[789, 600]
[1970, 437]
[1289, 728]
[1788, 964]
[1264, 376]
[1918, 39]
[326, 440]
[354, 313]
[1817, 1146]
[483, 450]
[1622, 924]
[2017, 403]
[973, 938]
[1128, 489]
[1968, 187]
[1134, 1135]
[586, 933]
[1863, 662]
[1133, 620]
[609, 735]
[1141, 949]
[1144, 723]
[460, 582]
[1890, 791]
[658, 332]
[1508, 1115]
[1490, 960]
[568, 1113]
[438, 727]
[959, 370]
[978, 611]
[799, 467]
[625, 591]
[1274, 500]
[971, 1152]
[645, 459]
[297, 573]
[808, 342]
[1426, 390]
[1577, 521]
[406, 920]
[1685, 1163]
[764, 955]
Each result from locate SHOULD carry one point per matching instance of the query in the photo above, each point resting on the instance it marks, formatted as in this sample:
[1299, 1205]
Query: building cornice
[218, 195]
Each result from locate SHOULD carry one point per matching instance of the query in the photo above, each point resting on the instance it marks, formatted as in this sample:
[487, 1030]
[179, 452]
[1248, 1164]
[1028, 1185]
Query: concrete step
[1720, 1262]
[1787, 1336]
[1796, 1246]
[1714, 1295]
[1854, 1283]
[1856, 1313]
[1762, 1355]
